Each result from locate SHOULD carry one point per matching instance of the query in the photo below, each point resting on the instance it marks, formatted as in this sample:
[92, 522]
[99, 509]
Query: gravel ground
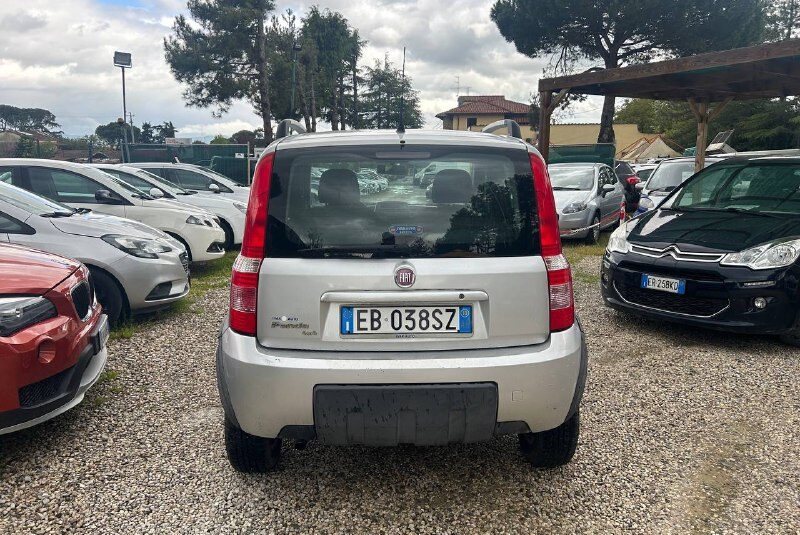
[697, 432]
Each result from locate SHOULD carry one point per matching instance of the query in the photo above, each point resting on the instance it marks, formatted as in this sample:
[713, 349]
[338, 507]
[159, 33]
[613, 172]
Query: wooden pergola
[707, 81]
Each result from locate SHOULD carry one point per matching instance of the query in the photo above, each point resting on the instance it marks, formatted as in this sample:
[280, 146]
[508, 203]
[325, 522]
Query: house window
[472, 121]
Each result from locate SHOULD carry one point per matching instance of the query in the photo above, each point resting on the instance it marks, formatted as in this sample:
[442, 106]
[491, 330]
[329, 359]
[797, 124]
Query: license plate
[406, 320]
[664, 284]
[100, 337]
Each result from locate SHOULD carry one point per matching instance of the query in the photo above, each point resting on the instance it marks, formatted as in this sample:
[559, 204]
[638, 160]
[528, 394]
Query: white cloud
[65, 64]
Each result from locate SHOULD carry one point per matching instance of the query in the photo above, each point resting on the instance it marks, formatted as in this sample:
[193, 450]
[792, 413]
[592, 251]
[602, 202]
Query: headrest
[338, 187]
[451, 186]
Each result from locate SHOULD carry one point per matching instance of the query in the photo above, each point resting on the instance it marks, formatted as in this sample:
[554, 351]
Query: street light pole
[123, 61]
[295, 48]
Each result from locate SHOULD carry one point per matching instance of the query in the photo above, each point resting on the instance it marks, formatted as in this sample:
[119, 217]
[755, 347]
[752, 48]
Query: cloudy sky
[57, 54]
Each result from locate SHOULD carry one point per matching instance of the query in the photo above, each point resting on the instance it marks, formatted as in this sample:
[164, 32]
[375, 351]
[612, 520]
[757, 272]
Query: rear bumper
[68, 387]
[271, 393]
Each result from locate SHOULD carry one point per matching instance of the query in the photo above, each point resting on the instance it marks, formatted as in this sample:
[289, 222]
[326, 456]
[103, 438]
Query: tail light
[244, 278]
[559, 276]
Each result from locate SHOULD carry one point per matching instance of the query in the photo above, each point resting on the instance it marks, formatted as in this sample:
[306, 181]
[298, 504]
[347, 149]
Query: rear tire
[549, 449]
[109, 295]
[593, 236]
[248, 453]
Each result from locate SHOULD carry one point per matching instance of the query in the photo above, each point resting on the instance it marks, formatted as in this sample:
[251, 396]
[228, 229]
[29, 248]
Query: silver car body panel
[270, 389]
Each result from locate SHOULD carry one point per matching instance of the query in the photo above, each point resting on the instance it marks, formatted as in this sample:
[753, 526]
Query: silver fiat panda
[387, 314]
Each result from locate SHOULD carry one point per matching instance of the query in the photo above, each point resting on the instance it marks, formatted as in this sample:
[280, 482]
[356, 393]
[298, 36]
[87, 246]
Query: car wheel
[548, 449]
[109, 295]
[249, 453]
[593, 236]
[185, 245]
[228, 234]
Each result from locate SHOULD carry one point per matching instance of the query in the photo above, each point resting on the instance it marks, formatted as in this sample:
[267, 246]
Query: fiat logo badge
[404, 277]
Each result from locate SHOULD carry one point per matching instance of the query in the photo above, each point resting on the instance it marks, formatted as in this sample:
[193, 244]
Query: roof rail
[287, 127]
[504, 124]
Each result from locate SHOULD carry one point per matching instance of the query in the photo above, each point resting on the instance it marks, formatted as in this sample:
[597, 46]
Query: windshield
[669, 175]
[571, 178]
[143, 185]
[366, 202]
[30, 202]
[127, 187]
[757, 187]
[218, 177]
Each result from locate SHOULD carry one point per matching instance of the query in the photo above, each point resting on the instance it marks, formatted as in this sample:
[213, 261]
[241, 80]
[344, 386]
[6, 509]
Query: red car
[52, 336]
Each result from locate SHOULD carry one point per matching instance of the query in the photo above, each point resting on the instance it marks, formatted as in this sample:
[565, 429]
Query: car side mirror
[104, 196]
[639, 186]
[213, 187]
[606, 189]
[156, 193]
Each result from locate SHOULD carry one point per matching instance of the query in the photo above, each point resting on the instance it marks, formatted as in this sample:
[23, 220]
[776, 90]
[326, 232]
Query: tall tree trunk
[301, 90]
[334, 109]
[343, 108]
[263, 80]
[607, 121]
[355, 122]
[313, 106]
[606, 134]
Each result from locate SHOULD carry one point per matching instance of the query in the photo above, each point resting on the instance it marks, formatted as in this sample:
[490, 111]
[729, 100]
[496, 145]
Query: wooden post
[700, 110]
[545, 111]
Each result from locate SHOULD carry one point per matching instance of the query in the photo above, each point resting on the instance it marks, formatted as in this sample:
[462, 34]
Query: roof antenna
[401, 128]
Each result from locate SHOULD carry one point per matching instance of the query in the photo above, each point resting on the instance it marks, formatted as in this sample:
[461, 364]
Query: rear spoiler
[504, 124]
[287, 127]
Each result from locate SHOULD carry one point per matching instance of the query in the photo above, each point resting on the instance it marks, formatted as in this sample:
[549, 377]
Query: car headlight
[618, 242]
[776, 254]
[194, 220]
[574, 208]
[241, 207]
[16, 313]
[140, 247]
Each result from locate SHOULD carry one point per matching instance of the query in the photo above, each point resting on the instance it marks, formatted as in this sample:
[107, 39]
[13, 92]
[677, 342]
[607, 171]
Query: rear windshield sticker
[405, 230]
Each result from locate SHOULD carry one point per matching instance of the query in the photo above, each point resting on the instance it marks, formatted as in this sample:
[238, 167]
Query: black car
[722, 251]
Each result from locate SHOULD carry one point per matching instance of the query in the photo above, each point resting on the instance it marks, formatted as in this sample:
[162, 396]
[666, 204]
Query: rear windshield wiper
[356, 251]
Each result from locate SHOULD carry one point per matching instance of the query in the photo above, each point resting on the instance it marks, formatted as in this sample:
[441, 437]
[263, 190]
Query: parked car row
[137, 242]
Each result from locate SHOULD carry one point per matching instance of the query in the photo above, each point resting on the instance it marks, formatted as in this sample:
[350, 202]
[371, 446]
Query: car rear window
[394, 201]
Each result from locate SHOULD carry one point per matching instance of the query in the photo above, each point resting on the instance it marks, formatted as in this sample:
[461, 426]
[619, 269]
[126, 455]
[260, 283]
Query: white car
[135, 268]
[81, 186]
[197, 178]
[230, 213]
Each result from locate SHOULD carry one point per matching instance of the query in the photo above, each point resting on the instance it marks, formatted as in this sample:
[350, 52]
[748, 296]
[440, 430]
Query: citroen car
[588, 196]
[82, 186]
[135, 268]
[52, 336]
[722, 251]
[396, 317]
[229, 212]
[197, 178]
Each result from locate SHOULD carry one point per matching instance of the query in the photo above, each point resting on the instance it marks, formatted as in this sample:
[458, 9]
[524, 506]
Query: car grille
[82, 299]
[678, 304]
[44, 390]
[185, 262]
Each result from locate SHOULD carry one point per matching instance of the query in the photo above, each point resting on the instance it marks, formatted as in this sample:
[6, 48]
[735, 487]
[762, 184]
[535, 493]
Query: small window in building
[472, 121]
